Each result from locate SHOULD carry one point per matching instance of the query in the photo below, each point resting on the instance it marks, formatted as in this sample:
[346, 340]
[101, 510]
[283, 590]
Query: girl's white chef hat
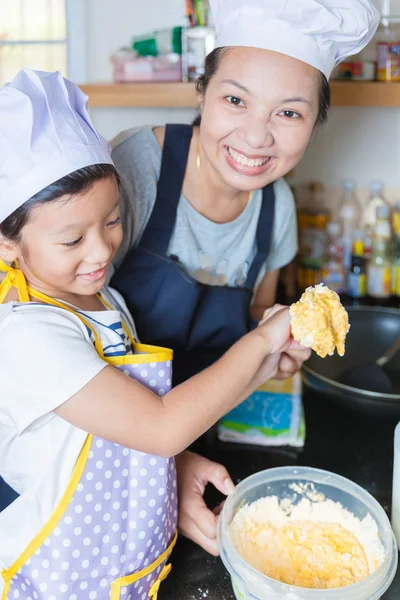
[45, 134]
[319, 32]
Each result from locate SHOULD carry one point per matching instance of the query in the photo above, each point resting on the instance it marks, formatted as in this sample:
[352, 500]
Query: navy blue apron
[170, 308]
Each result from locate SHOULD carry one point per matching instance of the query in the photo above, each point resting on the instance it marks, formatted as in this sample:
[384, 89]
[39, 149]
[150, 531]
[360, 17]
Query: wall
[361, 143]
[109, 28]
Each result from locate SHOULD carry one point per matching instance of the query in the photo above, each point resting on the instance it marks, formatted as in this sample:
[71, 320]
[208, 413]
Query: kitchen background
[359, 143]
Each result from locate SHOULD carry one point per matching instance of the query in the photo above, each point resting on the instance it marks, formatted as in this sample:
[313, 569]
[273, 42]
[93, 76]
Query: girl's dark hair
[74, 183]
[213, 61]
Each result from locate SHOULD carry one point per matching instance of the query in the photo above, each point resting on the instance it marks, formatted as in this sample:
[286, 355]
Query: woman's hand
[290, 362]
[195, 520]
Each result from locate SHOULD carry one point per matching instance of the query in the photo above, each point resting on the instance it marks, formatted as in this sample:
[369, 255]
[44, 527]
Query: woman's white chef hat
[45, 134]
[320, 33]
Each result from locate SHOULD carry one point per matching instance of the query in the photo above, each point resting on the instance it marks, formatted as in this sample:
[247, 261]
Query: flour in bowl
[318, 545]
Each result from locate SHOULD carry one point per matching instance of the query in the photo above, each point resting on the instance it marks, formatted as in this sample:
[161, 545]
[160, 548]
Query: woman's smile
[247, 164]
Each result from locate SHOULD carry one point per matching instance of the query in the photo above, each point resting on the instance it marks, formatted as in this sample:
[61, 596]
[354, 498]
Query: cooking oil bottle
[396, 259]
[376, 198]
[380, 265]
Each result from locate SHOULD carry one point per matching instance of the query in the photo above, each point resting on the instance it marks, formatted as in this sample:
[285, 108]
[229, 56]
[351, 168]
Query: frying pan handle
[390, 352]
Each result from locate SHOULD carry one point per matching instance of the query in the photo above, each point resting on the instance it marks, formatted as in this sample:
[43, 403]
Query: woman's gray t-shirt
[213, 253]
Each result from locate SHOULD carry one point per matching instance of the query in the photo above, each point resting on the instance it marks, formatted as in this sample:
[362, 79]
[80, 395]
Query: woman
[208, 219]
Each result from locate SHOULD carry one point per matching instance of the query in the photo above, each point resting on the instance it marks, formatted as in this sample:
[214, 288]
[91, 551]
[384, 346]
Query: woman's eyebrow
[284, 101]
[296, 99]
[236, 84]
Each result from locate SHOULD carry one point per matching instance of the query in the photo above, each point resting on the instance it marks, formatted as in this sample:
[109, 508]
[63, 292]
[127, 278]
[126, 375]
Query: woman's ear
[200, 100]
[8, 249]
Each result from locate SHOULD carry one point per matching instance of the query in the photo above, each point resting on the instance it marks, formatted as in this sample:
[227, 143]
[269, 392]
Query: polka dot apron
[112, 532]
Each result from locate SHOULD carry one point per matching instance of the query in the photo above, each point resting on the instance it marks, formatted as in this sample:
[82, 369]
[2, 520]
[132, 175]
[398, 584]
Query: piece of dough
[319, 321]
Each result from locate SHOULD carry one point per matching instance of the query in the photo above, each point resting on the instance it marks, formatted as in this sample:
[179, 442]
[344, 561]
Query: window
[34, 34]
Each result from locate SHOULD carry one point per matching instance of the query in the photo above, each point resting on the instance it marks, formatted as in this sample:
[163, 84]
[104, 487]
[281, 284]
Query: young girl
[88, 421]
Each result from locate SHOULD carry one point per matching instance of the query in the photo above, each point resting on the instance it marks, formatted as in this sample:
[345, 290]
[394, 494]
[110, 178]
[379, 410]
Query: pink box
[129, 68]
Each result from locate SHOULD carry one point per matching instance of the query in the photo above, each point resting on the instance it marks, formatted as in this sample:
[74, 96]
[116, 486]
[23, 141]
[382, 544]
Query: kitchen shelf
[183, 95]
[365, 93]
[176, 94]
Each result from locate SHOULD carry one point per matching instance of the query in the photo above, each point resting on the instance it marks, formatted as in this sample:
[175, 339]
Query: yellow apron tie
[153, 593]
[14, 278]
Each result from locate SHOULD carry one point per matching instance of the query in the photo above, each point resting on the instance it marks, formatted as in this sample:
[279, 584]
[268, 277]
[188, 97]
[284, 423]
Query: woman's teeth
[247, 162]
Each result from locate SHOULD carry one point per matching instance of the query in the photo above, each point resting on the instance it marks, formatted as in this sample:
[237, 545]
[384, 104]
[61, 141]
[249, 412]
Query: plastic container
[249, 584]
[162, 41]
[128, 67]
[396, 485]
[355, 71]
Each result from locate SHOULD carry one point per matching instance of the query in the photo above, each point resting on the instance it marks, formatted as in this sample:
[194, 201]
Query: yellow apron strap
[50, 525]
[47, 300]
[117, 584]
[14, 278]
[7, 584]
[153, 593]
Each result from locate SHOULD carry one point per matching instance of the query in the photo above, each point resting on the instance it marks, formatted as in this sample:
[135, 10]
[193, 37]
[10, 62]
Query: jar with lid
[388, 50]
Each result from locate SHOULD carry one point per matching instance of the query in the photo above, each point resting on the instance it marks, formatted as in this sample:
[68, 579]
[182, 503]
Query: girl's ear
[8, 249]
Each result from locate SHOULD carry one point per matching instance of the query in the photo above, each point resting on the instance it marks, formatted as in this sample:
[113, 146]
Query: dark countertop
[352, 444]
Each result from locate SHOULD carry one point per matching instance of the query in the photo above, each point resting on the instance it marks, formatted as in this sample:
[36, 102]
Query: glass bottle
[350, 213]
[396, 259]
[333, 273]
[380, 268]
[376, 198]
[313, 239]
[357, 278]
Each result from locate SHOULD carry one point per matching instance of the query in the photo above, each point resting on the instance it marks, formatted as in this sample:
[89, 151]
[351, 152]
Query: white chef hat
[320, 33]
[45, 134]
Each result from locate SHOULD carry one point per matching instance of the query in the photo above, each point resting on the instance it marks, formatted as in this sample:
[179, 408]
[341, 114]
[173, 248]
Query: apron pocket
[125, 587]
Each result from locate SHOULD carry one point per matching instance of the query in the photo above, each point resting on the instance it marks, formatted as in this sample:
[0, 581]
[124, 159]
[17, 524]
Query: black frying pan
[371, 333]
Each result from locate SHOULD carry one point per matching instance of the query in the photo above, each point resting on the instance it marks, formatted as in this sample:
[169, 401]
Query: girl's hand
[275, 326]
[195, 520]
[285, 356]
[292, 359]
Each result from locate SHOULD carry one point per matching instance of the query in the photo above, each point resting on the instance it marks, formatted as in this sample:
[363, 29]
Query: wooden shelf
[183, 95]
[365, 93]
[177, 94]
